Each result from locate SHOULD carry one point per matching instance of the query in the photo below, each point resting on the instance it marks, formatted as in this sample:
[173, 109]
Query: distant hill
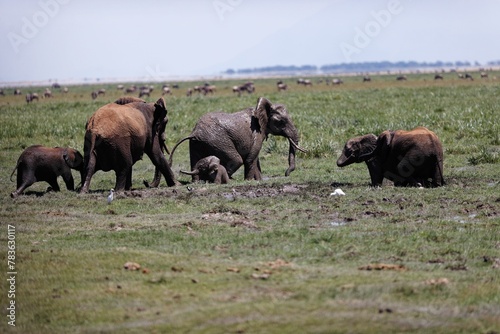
[380, 66]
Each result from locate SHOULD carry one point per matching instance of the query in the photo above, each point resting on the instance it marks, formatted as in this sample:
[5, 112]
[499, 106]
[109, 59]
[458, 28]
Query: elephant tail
[12, 174]
[170, 159]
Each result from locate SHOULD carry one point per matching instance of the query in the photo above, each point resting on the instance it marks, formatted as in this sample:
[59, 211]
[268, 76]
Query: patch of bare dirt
[234, 219]
[241, 191]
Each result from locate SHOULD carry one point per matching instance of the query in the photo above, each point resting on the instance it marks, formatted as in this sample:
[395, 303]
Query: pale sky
[75, 39]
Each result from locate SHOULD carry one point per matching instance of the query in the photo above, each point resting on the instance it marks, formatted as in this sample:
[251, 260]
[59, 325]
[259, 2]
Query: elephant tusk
[297, 147]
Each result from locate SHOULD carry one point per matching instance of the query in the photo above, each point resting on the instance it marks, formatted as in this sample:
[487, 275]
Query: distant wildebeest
[144, 92]
[131, 89]
[1, 92]
[246, 87]
[55, 85]
[166, 90]
[281, 86]
[94, 95]
[465, 76]
[337, 81]
[189, 92]
[30, 97]
[438, 77]
[47, 93]
[305, 82]
[120, 87]
[484, 75]
[401, 78]
[206, 89]
[101, 91]
[367, 79]
[17, 92]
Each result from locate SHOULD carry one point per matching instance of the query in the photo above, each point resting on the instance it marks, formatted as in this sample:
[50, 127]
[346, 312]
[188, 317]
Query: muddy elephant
[236, 139]
[209, 169]
[119, 133]
[408, 158]
[39, 163]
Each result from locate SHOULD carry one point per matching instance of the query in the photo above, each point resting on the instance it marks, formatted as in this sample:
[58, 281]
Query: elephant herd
[118, 134]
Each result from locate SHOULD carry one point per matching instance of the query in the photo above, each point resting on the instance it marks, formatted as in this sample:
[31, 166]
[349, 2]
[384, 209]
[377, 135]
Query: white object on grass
[110, 196]
[338, 192]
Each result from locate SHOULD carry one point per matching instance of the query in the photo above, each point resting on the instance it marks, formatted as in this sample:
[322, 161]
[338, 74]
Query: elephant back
[115, 120]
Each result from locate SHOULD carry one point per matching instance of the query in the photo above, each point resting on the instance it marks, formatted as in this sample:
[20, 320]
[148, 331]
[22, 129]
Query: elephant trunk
[195, 172]
[291, 160]
[343, 160]
[293, 140]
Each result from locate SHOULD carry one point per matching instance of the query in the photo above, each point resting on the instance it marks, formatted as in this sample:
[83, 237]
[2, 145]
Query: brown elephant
[209, 169]
[408, 158]
[119, 133]
[236, 139]
[39, 163]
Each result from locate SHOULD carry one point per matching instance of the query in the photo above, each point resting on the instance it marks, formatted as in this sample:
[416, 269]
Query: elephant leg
[69, 181]
[52, 181]
[128, 184]
[437, 177]
[161, 164]
[89, 172]
[252, 171]
[222, 177]
[22, 184]
[122, 176]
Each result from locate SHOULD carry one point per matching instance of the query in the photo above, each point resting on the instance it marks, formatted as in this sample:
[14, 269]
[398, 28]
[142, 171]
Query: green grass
[275, 256]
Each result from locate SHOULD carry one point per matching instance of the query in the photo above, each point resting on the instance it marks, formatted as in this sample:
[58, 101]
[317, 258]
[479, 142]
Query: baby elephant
[40, 163]
[209, 169]
[408, 158]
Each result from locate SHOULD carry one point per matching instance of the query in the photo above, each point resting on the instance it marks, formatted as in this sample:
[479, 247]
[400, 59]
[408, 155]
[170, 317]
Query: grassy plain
[277, 256]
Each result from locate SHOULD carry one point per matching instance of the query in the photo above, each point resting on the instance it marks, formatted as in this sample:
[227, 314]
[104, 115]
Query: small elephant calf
[39, 163]
[209, 169]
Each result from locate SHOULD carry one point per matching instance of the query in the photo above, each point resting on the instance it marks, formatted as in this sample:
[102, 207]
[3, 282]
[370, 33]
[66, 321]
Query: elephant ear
[73, 159]
[384, 142]
[262, 112]
[161, 104]
[160, 114]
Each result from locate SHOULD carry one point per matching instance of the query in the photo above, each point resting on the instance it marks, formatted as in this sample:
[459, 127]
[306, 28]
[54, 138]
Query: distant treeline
[378, 66]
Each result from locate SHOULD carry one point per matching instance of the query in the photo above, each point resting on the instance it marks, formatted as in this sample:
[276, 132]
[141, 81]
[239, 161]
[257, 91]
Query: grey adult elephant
[119, 133]
[39, 163]
[409, 158]
[236, 139]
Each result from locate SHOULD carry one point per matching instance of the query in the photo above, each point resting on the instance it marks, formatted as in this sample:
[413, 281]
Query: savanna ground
[277, 256]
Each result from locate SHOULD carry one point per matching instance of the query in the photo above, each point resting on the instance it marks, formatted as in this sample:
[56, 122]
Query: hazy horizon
[69, 39]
